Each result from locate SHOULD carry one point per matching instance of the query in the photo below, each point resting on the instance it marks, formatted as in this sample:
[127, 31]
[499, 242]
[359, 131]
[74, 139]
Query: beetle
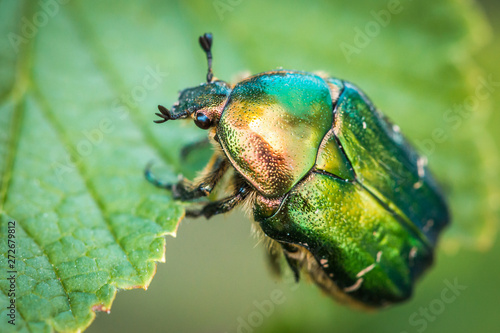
[331, 181]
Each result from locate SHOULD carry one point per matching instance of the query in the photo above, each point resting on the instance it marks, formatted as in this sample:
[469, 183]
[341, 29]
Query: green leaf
[80, 81]
[87, 223]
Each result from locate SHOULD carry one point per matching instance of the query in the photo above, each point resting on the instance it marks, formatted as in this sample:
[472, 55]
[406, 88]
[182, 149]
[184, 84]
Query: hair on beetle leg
[247, 206]
[258, 234]
[215, 169]
[272, 250]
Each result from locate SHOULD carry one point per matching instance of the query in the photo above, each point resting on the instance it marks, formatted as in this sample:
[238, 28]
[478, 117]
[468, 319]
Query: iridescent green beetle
[331, 181]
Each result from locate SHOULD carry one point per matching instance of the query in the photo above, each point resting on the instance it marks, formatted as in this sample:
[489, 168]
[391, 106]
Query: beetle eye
[202, 121]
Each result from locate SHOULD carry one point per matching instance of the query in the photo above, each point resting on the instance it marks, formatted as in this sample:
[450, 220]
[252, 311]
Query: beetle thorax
[272, 127]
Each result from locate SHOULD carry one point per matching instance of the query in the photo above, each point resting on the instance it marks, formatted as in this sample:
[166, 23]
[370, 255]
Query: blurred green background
[216, 271]
[422, 61]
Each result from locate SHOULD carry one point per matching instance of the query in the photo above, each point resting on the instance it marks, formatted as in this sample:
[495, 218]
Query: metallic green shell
[369, 211]
[361, 245]
[386, 164]
[272, 126]
[332, 159]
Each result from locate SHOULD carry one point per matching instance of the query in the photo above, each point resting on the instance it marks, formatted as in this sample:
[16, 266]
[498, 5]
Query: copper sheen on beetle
[335, 186]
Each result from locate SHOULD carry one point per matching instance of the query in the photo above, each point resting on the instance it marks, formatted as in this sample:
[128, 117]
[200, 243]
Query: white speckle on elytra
[421, 163]
[413, 253]
[355, 286]
[366, 270]
[428, 225]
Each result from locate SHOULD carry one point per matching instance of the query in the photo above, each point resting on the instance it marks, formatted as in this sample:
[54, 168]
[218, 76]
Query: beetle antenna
[206, 45]
[165, 115]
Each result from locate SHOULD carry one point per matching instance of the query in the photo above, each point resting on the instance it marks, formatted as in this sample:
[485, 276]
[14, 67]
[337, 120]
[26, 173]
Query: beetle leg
[187, 149]
[224, 205]
[290, 253]
[274, 257]
[185, 191]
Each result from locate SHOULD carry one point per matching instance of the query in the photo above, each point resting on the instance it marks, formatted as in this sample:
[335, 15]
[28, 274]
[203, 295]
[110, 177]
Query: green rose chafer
[336, 186]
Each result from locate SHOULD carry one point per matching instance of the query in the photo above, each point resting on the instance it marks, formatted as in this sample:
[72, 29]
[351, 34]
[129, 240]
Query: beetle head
[203, 103]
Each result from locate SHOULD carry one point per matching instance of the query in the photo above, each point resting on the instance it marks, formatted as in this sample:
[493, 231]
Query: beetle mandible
[335, 186]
